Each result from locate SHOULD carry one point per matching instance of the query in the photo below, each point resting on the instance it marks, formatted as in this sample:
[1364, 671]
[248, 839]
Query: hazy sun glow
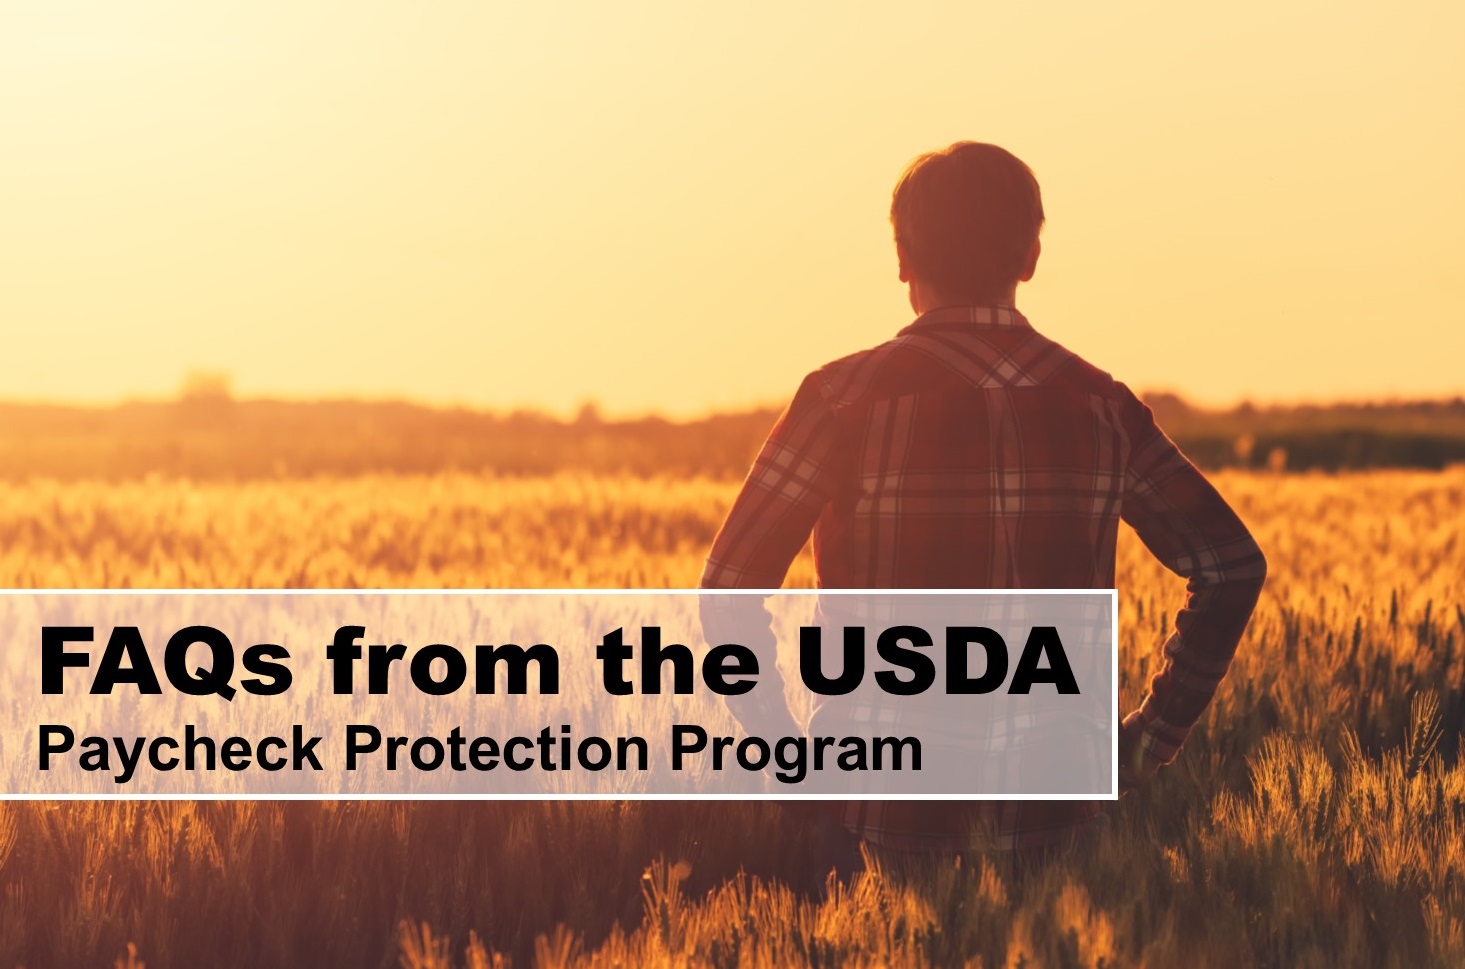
[678, 206]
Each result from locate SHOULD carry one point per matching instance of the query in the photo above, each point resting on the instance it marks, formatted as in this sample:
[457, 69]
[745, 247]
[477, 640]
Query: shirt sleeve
[792, 479]
[1188, 526]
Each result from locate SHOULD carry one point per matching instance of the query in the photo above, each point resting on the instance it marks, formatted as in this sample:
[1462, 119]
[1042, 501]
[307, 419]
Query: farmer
[970, 451]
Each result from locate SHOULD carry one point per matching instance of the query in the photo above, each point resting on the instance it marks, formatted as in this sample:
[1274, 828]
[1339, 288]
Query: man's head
[966, 223]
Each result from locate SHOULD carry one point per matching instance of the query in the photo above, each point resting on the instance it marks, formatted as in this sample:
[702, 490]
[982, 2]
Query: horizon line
[595, 411]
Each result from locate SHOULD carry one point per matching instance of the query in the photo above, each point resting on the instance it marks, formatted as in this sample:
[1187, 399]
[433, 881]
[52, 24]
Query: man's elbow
[1256, 563]
[1243, 562]
[1248, 573]
[1240, 571]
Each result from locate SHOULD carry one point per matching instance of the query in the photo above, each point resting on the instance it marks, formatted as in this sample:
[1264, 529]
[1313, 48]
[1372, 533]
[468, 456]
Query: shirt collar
[995, 314]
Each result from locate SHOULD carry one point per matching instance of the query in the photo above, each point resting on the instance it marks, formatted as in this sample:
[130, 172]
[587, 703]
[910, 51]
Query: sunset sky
[683, 206]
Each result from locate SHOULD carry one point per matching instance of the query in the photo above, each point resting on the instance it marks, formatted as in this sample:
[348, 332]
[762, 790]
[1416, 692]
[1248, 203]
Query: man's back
[971, 452]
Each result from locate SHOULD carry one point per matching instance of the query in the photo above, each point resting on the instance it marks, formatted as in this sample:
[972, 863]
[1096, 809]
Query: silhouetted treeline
[210, 437]
[223, 438]
[1420, 434]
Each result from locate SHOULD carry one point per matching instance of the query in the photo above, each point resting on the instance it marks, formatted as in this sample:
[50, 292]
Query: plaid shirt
[973, 452]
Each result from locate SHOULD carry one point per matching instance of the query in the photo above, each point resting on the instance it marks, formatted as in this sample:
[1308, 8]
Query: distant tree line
[213, 436]
[1419, 434]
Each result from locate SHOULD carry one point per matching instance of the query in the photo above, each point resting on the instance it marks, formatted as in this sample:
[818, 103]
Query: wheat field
[1317, 817]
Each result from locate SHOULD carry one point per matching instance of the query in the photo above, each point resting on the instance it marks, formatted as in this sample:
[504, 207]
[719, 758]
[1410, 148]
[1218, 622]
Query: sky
[682, 207]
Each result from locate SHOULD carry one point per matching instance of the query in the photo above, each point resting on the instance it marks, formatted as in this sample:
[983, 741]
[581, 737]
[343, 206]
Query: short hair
[967, 217]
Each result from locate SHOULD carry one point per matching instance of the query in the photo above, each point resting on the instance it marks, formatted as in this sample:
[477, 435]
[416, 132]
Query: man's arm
[790, 482]
[1189, 527]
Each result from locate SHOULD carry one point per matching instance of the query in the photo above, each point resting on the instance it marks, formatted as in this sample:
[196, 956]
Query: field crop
[1316, 818]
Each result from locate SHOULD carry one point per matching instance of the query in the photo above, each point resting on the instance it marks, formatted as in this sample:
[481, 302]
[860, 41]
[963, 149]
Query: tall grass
[1316, 818]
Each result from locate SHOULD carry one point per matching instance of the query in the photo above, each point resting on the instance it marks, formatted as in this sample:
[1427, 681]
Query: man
[971, 451]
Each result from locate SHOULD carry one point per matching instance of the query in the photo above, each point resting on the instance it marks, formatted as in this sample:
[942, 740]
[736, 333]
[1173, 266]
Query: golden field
[1317, 818]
